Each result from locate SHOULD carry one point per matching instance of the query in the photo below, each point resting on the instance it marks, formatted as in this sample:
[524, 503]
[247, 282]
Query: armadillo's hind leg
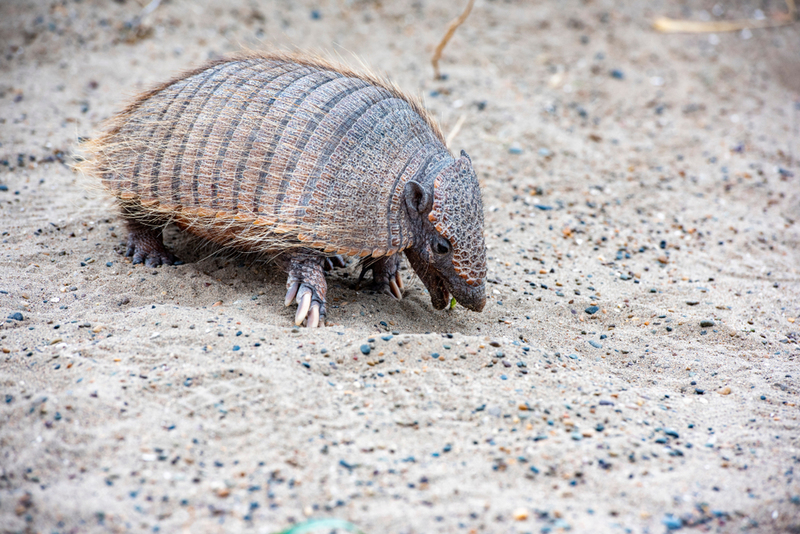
[306, 284]
[145, 245]
[333, 262]
[385, 275]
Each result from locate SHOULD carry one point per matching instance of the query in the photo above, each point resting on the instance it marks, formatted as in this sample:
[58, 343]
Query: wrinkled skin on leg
[145, 245]
[306, 285]
[385, 275]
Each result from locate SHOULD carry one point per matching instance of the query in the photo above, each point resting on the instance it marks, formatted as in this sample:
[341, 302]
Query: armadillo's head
[449, 254]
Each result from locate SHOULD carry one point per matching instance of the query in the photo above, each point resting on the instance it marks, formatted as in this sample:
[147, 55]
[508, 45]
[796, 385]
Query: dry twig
[451, 29]
[668, 25]
[457, 128]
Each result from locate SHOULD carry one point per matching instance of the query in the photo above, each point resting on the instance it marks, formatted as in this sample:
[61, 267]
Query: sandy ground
[653, 176]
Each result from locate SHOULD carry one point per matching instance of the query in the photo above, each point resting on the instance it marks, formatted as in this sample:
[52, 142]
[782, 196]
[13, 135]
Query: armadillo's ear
[465, 155]
[417, 199]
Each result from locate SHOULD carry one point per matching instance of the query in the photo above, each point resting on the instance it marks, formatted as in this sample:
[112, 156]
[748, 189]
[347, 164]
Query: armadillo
[304, 160]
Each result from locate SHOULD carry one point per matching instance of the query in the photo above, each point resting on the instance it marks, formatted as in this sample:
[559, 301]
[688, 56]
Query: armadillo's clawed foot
[310, 308]
[313, 318]
[333, 262]
[385, 276]
[306, 286]
[145, 246]
[396, 293]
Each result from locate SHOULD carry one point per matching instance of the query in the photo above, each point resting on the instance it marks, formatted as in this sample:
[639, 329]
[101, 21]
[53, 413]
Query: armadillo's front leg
[385, 275]
[306, 284]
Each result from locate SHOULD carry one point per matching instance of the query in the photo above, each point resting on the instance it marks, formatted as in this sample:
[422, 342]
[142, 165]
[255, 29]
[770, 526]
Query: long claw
[399, 280]
[328, 264]
[396, 293]
[291, 293]
[338, 261]
[302, 308]
[313, 316]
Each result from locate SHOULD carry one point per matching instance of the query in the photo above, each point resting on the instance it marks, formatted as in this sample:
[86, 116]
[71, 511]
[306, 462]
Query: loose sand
[653, 176]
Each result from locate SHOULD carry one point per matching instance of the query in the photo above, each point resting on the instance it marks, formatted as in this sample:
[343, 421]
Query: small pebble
[672, 522]
[17, 316]
[365, 349]
[520, 514]
[706, 323]
[617, 74]
[591, 310]
[595, 344]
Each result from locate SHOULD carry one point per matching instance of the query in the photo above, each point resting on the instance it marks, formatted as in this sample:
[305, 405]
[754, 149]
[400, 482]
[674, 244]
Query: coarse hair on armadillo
[268, 152]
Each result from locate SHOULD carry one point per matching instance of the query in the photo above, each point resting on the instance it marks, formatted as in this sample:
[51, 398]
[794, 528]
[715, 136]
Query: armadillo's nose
[476, 305]
[475, 300]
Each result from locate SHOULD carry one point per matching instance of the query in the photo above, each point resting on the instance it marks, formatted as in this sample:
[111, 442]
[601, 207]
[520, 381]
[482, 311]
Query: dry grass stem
[668, 25]
[451, 29]
[457, 128]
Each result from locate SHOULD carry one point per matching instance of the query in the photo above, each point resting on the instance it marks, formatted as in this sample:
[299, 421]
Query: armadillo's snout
[473, 298]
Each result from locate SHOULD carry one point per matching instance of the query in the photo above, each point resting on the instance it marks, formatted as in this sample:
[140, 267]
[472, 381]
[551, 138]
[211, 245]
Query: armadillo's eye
[440, 245]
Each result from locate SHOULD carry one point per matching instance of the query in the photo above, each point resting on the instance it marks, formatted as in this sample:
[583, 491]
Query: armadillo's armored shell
[267, 153]
[457, 214]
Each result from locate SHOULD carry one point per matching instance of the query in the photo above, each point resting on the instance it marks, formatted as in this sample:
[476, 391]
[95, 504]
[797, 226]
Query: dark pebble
[307, 365]
[591, 310]
[671, 432]
[236, 347]
[386, 338]
[17, 316]
[595, 344]
[706, 324]
[543, 207]
[365, 349]
[699, 391]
